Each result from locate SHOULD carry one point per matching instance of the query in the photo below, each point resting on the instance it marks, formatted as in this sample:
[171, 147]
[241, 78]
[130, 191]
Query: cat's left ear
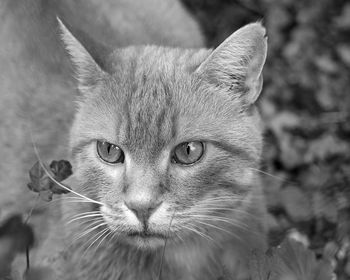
[87, 69]
[236, 64]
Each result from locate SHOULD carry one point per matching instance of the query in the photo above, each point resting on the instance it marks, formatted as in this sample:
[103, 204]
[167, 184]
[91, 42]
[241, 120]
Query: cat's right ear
[88, 70]
[236, 65]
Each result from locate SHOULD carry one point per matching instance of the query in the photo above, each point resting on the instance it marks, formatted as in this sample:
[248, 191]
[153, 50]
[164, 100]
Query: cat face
[167, 139]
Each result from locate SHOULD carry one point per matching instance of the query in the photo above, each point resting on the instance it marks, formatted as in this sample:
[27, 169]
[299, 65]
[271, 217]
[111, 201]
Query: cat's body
[185, 140]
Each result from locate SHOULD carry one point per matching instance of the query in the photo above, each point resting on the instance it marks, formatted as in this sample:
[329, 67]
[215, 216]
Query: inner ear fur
[236, 64]
[89, 68]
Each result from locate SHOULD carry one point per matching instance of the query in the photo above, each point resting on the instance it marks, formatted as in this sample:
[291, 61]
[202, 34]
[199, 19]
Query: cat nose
[143, 211]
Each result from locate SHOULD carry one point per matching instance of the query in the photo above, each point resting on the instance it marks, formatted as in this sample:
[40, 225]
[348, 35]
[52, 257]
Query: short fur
[148, 100]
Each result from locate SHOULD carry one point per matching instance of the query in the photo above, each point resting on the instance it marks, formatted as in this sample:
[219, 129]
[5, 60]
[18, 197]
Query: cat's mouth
[145, 234]
[145, 239]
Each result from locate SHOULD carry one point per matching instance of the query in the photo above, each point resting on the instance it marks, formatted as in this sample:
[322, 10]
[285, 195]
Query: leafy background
[305, 104]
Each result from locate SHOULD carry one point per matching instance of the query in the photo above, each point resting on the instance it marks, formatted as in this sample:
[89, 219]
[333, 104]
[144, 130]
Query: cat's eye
[188, 152]
[109, 152]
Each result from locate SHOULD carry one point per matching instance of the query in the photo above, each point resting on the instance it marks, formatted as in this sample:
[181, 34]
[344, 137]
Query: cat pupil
[188, 149]
[188, 152]
[109, 149]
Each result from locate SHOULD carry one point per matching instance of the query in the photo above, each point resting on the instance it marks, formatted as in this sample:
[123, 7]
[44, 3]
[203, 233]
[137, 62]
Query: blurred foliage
[289, 261]
[41, 183]
[15, 237]
[306, 107]
[305, 104]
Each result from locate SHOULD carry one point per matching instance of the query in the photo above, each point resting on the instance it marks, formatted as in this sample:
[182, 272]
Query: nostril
[142, 212]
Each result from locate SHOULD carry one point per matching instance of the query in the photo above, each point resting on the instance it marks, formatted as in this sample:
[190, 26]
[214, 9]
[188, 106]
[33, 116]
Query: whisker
[89, 231]
[92, 221]
[220, 202]
[198, 232]
[96, 237]
[229, 210]
[74, 199]
[216, 208]
[210, 217]
[98, 234]
[86, 213]
[219, 228]
[221, 199]
[179, 237]
[86, 228]
[103, 239]
[163, 253]
[115, 233]
[235, 223]
[48, 173]
[84, 217]
[273, 176]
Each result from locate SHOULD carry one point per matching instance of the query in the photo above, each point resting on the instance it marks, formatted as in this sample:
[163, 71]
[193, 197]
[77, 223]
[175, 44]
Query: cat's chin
[144, 242]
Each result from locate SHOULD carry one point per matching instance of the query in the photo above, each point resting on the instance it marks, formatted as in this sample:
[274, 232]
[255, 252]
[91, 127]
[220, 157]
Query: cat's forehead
[147, 86]
[148, 119]
[154, 59]
[152, 101]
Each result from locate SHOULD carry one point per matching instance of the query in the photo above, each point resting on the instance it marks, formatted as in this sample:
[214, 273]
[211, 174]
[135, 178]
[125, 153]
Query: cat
[165, 142]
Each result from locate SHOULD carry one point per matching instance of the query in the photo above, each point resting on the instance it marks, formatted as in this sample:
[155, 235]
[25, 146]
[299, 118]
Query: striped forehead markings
[148, 115]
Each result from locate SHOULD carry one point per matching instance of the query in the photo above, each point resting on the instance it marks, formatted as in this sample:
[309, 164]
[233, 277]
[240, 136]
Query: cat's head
[167, 139]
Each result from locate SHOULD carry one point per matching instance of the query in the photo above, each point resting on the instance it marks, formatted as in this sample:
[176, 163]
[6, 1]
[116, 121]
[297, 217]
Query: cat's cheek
[247, 177]
[111, 188]
[113, 172]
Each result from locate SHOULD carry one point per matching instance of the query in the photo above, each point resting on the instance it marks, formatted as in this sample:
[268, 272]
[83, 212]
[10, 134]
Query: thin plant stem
[163, 252]
[32, 209]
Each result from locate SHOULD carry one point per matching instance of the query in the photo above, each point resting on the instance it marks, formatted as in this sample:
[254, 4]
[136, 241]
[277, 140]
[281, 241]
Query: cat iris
[188, 152]
[185, 153]
[109, 152]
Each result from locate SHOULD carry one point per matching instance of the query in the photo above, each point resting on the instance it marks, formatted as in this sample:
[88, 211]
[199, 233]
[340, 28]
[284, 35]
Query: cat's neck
[120, 261]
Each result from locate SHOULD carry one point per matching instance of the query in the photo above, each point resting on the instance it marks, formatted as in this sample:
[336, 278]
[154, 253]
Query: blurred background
[305, 104]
